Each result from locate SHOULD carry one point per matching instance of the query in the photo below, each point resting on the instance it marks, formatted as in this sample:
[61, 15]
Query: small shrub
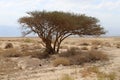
[93, 69]
[9, 45]
[66, 77]
[87, 71]
[37, 46]
[36, 54]
[100, 75]
[84, 48]
[96, 42]
[94, 47]
[85, 44]
[70, 52]
[118, 45]
[28, 40]
[11, 53]
[78, 57]
[104, 76]
[24, 47]
[63, 47]
[97, 55]
[61, 61]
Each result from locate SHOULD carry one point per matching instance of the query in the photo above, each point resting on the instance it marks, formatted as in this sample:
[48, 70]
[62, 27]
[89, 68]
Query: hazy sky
[107, 11]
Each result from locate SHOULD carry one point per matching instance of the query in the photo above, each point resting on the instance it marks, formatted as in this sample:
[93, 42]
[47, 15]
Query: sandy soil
[14, 71]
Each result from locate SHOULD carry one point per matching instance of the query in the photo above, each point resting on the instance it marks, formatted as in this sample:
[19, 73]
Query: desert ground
[20, 60]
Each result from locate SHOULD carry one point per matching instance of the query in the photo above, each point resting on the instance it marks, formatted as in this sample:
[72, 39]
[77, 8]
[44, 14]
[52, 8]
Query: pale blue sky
[107, 11]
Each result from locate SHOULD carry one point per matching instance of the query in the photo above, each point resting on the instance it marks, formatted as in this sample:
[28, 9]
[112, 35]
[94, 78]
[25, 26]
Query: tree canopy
[57, 26]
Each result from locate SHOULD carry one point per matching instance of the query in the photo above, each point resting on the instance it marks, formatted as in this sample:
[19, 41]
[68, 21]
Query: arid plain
[23, 59]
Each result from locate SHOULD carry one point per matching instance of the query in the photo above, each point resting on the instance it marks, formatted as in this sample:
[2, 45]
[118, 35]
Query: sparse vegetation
[97, 55]
[11, 53]
[84, 44]
[97, 42]
[64, 47]
[100, 75]
[8, 45]
[118, 45]
[105, 76]
[77, 63]
[28, 40]
[66, 77]
[78, 57]
[61, 61]
[84, 48]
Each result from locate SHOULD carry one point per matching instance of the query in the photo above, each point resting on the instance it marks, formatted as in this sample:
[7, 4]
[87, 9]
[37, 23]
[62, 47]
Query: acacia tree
[57, 26]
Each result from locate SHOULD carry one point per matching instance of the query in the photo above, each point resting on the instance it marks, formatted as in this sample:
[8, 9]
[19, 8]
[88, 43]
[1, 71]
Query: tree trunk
[58, 47]
[49, 48]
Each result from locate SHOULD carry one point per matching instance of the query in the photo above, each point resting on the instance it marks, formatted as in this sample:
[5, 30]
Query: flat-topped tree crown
[57, 26]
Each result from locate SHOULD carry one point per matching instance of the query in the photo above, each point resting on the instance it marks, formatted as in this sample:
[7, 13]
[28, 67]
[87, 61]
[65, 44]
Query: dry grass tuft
[66, 77]
[97, 42]
[11, 53]
[118, 45]
[97, 55]
[70, 52]
[28, 40]
[84, 44]
[100, 75]
[84, 48]
[61, 61]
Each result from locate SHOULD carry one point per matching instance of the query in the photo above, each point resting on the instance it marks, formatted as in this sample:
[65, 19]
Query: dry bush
[78, 57]
[72, 43]
[37, 46]
[70, 52]
[88, 71]
[24, 47]
[118, 45]
[61, 61]
[11, 53]
[100, 75]
[36, 54]
[84, 48]
[97, 42]
[97, 55]
[107, 44]
[105, 76]
[0, 43]
[1, 49]
[84, 44]
[64, 47]
[66, 77]
[41, 55]
[94, 47]
[28, 40]
[8, 45]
